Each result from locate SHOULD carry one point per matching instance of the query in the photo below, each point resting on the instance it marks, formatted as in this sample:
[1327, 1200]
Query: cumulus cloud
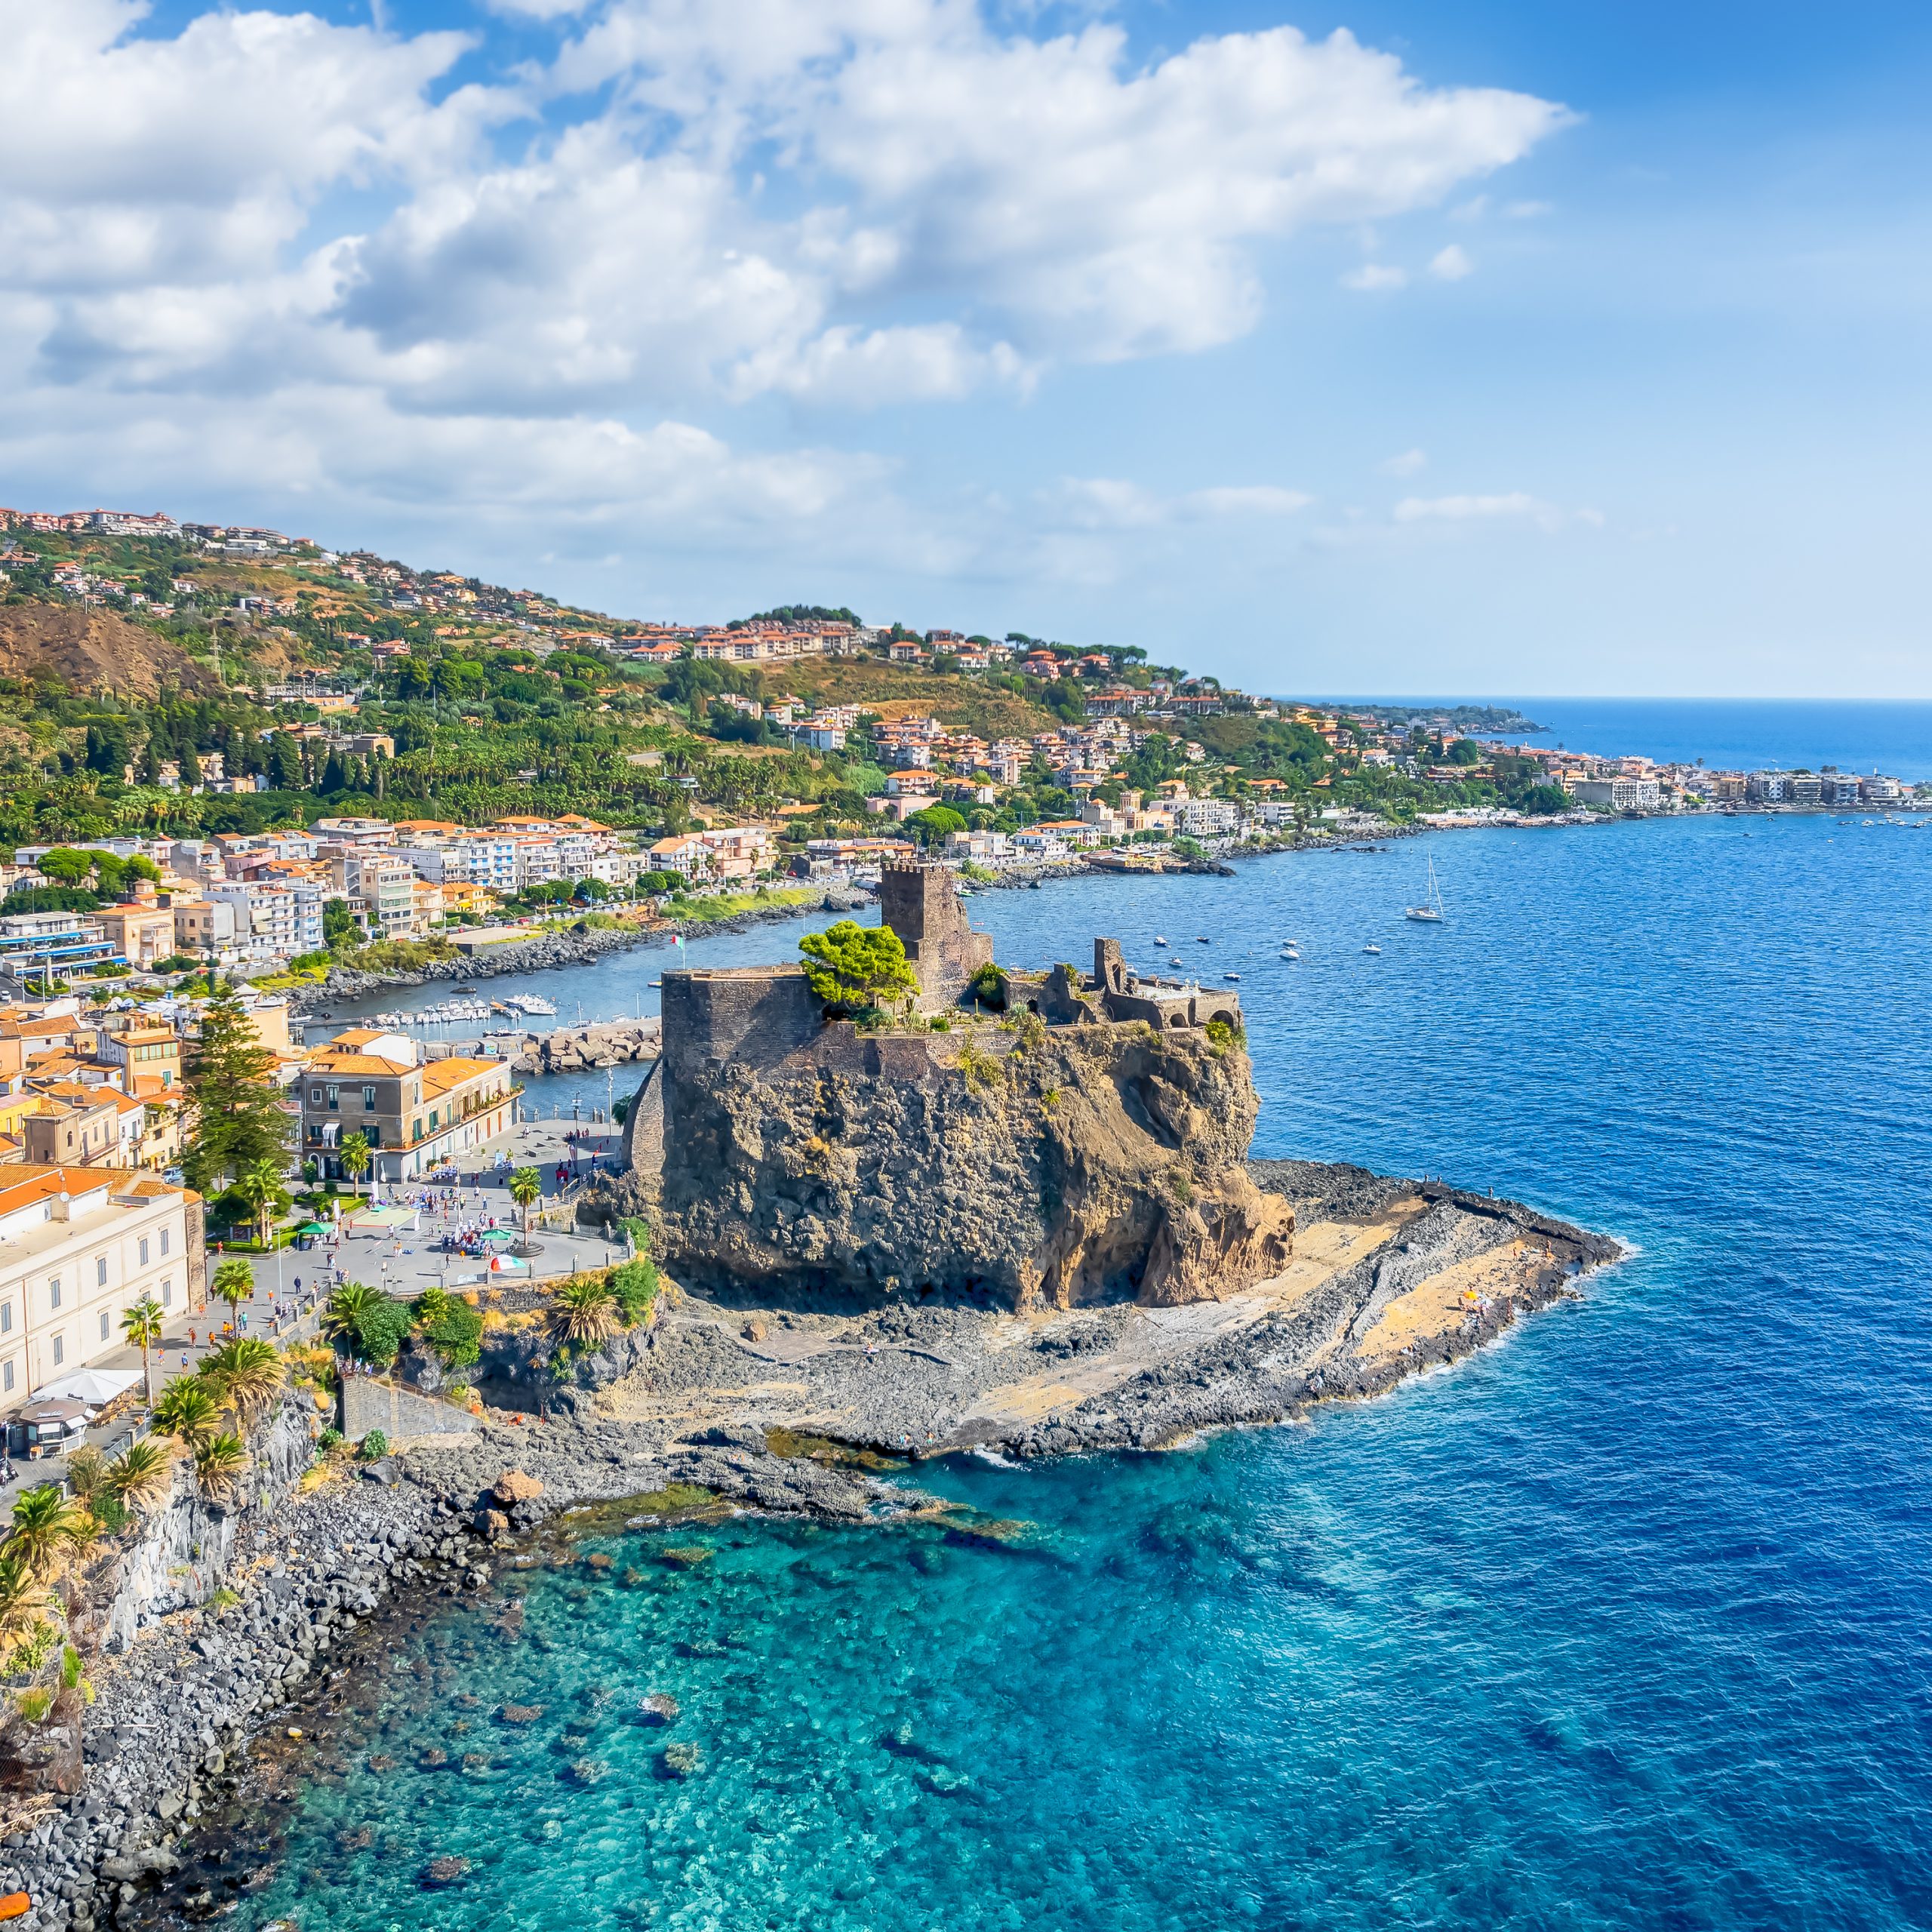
[1451, 264]
[1375, 277]
[286, 226]
[1409, 463]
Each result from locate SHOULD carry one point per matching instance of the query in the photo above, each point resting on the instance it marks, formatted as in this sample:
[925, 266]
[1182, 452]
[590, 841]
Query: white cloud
[1373, 277]
[1451, 264]
[267, 239]
[1407, 464]
[1528, 211]
[1516, 506]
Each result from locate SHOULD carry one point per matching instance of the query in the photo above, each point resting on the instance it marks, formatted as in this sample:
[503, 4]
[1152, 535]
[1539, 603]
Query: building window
[6, 1376]
[163, 1240]
[368, 1099]
[103, 1325]
[167, 1291]
[315, 1097]
[335, 1098]
[144, 1250]
[54, 1292]
[6, 1318]
[101, 1271]
[59, 1350]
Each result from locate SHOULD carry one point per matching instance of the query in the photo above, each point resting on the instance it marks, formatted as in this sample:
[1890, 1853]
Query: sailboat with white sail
[1429, 912]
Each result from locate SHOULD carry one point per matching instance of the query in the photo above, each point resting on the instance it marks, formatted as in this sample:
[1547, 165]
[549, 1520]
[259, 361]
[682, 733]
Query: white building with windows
[78, 1246]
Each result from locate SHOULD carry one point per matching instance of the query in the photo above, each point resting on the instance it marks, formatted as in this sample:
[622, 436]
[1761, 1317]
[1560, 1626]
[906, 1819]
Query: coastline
[185, 1697]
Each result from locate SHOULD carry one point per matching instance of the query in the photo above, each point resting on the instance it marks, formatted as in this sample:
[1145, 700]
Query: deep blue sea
[1626, 1623]
[1860, 735]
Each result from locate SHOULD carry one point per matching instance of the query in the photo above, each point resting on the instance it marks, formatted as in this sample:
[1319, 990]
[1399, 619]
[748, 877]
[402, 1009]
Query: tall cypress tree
[236, 1117]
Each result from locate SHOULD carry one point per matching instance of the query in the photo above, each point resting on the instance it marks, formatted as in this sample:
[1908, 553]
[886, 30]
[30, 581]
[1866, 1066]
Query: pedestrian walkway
[291, 1285]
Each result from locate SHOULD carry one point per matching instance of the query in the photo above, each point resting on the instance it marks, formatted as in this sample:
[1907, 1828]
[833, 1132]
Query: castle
[714, 1016]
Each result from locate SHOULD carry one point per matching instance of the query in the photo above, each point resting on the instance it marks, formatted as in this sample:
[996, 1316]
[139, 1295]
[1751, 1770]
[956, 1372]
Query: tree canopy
[238, 1120]
[857, 968]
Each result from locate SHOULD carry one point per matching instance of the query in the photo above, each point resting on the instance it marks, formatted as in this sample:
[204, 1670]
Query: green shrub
[635, 1285]
[988, 985]
[328, 1439]
[450, 1326]
[373, 1446]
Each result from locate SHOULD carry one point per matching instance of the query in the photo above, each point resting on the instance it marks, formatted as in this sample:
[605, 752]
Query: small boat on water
[1289, 953]
[1372, 947]
[1173, 962]
[1230, 976]
[1429, 912]
[1160, 939]
[1203, 940]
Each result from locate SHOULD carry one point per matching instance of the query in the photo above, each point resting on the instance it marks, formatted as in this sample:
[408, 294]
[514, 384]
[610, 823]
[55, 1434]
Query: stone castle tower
[919, 903]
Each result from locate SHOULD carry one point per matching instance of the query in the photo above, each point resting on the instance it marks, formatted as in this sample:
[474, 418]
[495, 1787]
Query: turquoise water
[1622, 1624]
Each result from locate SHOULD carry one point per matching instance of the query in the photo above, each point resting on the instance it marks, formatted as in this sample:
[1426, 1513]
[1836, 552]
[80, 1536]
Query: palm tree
[188, 1410]
[46, 1527]
[259, 1184]
[142, 1474]
[345, 1312]
[220, 1464]
[22, 1598]
[526, 1188]
[355, 1158]
[246, 1373]
[234, 1282]
[141, 1325]
[583, 1311]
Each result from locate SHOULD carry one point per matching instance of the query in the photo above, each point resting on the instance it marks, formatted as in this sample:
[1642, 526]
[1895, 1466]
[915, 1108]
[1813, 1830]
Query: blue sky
[1490, 348]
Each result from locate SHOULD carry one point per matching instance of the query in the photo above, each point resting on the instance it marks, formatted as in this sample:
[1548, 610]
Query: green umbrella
[311, 1228]
[496, 1234]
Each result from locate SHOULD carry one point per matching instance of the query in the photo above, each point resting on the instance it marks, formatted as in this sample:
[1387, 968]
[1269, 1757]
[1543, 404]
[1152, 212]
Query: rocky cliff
[1018, 1166]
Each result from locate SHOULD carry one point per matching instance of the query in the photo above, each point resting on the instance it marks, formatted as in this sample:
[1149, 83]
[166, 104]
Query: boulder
[514, 1487]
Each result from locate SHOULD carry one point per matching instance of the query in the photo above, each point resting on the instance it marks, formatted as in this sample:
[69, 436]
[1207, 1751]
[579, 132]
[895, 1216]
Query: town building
[79, 1246]
[413, 1115]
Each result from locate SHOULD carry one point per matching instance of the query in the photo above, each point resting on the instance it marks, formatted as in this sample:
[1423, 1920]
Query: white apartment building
[1207, 818]
[384, 884]
[538, 861]
[78, 1246]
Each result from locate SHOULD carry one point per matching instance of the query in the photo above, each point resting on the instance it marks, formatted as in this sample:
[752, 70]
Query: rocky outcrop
[1019, 1166]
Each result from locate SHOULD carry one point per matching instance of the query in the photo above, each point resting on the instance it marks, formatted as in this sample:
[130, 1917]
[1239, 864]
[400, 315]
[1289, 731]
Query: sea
[1622, 1623]
[1727, 734]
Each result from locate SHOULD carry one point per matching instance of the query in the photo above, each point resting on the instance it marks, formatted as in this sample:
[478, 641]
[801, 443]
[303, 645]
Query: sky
[1488, 347]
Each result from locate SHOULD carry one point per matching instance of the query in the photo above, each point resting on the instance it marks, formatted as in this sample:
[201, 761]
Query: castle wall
[757, 1014]
[920, 904]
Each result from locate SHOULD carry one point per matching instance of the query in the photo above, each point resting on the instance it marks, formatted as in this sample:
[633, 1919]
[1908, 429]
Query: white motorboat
[1371, 947]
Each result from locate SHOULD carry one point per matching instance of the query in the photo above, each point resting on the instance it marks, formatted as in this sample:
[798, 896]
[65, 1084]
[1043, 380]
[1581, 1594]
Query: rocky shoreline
[1393, 1276]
